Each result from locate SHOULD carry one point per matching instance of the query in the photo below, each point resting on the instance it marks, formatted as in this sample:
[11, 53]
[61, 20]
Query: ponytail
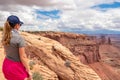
[6, 34]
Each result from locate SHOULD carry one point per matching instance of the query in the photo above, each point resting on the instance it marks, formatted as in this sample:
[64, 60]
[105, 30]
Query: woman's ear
[17, 26]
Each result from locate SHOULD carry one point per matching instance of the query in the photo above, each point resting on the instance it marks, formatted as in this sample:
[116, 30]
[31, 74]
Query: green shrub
[1, 28]
[37, 76]
[31, 63]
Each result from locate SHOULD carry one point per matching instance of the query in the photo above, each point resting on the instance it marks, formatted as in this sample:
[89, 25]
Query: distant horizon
[82, 32]
[78, 31]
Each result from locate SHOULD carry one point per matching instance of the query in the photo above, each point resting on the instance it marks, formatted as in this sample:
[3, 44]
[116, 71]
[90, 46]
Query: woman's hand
[30, 76]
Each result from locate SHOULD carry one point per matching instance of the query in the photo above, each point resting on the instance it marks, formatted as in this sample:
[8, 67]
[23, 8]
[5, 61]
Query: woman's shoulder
[17, 37]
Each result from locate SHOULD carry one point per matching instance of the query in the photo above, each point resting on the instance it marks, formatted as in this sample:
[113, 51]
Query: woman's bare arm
[24, 58]
[25, 62]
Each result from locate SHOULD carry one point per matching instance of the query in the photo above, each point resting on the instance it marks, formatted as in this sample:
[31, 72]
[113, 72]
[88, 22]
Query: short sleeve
[21, 42]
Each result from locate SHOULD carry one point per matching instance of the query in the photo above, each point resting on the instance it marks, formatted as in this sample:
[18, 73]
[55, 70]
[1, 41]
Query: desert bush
[31, 64]
[1, 28]
[37, 76]
[67, 63]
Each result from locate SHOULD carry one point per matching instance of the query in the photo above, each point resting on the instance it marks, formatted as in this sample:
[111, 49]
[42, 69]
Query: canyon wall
[82, 46]
[54, 61]
[90, 50]
[60, 56]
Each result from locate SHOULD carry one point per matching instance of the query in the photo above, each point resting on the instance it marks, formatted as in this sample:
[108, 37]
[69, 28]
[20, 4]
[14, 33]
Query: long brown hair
[6, 34]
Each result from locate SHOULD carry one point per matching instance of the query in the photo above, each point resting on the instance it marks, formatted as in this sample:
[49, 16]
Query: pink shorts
[14, 70]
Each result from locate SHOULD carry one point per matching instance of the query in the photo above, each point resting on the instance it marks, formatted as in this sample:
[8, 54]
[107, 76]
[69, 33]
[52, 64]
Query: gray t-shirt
[12, 51]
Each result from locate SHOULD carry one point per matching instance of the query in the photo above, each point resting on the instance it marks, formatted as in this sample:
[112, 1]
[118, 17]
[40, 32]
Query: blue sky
[53, 14]
[112, 5]
[68, 15]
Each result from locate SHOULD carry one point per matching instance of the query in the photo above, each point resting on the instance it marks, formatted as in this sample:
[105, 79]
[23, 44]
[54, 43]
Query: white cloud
[45, 4]
[75, 14]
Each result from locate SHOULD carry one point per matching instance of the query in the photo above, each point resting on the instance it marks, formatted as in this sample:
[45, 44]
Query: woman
[15, 65]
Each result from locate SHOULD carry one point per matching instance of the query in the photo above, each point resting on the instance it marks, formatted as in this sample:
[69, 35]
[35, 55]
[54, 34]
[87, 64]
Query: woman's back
[12, 50]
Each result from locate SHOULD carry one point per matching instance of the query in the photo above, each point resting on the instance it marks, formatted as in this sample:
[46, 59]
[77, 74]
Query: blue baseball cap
[14, 20]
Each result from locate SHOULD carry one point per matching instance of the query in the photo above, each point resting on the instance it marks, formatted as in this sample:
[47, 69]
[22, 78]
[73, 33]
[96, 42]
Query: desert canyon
[70, 56]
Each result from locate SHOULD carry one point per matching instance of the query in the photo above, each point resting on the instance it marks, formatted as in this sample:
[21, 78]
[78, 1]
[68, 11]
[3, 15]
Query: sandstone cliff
[90, 51]
[64, 58]
[83, 46]
[56, 62]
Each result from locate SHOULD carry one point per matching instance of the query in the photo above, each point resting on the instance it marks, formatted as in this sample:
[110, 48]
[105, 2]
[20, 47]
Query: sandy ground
[1, 61]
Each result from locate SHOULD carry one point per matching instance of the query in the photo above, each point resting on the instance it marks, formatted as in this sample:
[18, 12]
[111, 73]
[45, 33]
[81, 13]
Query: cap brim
[21, 23]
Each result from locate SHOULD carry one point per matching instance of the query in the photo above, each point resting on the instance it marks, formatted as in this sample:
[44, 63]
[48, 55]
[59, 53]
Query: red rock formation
[57, 59]
[84, 47]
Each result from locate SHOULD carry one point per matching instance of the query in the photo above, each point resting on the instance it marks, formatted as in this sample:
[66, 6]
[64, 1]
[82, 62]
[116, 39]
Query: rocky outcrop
[104, 60]
[83, 46]
[56, 61]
